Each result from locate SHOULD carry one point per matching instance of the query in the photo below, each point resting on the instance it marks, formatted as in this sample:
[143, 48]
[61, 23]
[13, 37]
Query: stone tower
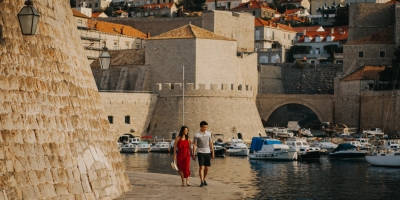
[221, 86]
[54, 136]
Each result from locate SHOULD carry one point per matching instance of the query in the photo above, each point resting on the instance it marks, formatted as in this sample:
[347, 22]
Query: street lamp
[105, 58]
[28, 18]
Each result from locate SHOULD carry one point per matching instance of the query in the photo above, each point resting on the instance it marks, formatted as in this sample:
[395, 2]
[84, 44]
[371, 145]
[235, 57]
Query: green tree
[188, 5]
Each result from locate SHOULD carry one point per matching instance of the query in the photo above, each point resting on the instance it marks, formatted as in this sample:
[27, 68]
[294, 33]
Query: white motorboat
[304, 151]
[144, 147]
[349, 152]
[271, 149]
[282, 132]
[388, 155]
[163, 147]
[129, 148]
[325, 145]
[237, 148]
[306, 132]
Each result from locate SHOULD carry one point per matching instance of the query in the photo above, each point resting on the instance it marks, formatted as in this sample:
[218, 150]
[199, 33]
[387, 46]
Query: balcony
[311, 56]
[338, 55]
[264, 38]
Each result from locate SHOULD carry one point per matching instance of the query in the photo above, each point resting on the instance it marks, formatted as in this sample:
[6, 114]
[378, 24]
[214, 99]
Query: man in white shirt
[205, 151]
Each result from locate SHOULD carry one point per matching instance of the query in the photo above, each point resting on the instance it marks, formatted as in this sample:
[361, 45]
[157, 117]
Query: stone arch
[293, 101]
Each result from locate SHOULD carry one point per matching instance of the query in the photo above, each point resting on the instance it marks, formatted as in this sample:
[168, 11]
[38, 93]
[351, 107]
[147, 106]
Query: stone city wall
[369, 18]
[55, 140]
[228, 111]
[138, 106]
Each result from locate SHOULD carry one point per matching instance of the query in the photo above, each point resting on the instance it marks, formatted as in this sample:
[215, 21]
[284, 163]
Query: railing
[311, 56]
[126, 91]
[90, 38]
[267, 49]
[263, 38]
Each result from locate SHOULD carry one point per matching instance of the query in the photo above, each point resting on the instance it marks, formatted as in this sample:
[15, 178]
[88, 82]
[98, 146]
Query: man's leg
[201, 173]
[205, 172]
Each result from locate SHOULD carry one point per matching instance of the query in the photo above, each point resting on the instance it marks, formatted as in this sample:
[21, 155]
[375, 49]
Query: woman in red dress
[182, 157]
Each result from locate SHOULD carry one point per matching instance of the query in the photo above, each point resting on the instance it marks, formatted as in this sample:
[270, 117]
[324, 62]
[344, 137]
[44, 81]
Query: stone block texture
[55, 140]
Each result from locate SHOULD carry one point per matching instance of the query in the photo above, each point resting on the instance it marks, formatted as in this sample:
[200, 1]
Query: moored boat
[388, 155]
[237, 148]
[270, 149]
[129, 148]
[346, 151]
[162, 147]
[325, 145]
[304, 151]
[144, 147]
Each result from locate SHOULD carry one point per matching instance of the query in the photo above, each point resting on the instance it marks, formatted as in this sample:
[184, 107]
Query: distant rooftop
[79, 14]
[189, 31]
[261, 22]
[124, 57]
[383, 37]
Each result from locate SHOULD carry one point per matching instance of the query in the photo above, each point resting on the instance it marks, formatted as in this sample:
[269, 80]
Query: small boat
[304, 151]
[219, 151]
[129, 148]
[237, 148]
[306, 132]
[325, 145]
[349, 152]
[144, 147]
[265, 148]
[282, 132]
[162, 147]
[388, 155]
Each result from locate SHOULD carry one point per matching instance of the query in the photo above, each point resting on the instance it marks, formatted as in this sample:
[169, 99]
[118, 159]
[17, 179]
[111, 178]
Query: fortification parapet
[229, 90]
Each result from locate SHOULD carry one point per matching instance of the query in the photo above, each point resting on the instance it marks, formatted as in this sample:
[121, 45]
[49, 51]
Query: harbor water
[325, 179]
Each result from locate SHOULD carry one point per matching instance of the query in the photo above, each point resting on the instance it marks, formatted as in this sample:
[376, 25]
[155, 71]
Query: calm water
[326, 179]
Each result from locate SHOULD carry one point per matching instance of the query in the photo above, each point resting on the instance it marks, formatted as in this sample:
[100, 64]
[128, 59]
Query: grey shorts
[204, 159]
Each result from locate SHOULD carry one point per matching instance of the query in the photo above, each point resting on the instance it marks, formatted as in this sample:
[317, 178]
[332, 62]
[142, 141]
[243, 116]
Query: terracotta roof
[108, 27]
[365, 73]
[79, 14]
[340, 33]
[291, 11]
[261, 22]
[121, 12]
[253, 4]
[383, 37]
[287, 18]
[160, 6]
[300, 29]
[124, 57]
[96, 14]
[190, 31]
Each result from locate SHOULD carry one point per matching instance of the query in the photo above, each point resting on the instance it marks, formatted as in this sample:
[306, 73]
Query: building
[298, 3]
[365, 1]
[215, 75]
[272, 40]
[223, 4]
[99, 15]
[158, 10]
[317, 38]
[257, 8]
[315, 4]
[96, 34]
[93, 4]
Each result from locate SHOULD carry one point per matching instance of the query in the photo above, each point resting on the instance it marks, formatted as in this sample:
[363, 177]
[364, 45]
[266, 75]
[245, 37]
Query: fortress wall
[55, 140]
[369, 18]
[138, 106]
[228, 111]
[270, 80]
[166, 58]
[247, 71]
[215, 61]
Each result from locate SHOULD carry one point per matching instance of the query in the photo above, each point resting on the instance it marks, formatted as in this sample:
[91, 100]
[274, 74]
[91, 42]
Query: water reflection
[324, 179]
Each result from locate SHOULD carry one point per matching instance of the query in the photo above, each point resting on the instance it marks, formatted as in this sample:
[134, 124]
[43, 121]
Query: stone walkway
[162, 186]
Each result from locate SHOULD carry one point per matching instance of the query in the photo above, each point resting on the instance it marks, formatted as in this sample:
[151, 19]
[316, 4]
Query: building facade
[223, 5]
[256, 8]
[96, 5]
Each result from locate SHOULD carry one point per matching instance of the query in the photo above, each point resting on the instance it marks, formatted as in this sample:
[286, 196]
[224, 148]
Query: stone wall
[352, 61]
[55, 140]
[369, 18]
[138, 106]
[228, 111]
[270, 81]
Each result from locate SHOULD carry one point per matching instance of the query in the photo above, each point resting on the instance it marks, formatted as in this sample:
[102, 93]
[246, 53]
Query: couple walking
[205, 151]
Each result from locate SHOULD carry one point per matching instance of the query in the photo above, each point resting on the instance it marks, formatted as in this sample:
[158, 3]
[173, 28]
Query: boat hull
[285, 156]
[235, 152]
[309, 155]
[349, 156]
[129, 150]
[144, 150]
[384, 161]
[160, 150]
[219, 152]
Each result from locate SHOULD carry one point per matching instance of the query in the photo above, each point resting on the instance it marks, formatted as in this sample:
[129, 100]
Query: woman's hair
[182, 130]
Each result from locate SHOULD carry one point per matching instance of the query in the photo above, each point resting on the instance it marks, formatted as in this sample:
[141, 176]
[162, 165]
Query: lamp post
[105, 58]
[28, 18]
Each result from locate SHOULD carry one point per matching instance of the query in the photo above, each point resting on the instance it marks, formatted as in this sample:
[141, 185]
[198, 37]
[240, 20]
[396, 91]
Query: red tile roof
[79, 14]
[190, 31]
[160, 6]
[291, 11]
[365, 73]
[113, 28]
[288, 18]
[261, 22]
[253, 4]
[340, 33]
[300, 29]
[383, 37]
[96, 14]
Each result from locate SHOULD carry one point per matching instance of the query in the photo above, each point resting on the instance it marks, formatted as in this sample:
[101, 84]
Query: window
[111, 119]
[90, 5]
[382, 54]
[318, 39]
[79, 23]
[360, 54]
[127, 45]
[137, 46]
[325, 4]
[115, 45]
[306, 39]
[254, 13]
[96, 5]
[127, 119]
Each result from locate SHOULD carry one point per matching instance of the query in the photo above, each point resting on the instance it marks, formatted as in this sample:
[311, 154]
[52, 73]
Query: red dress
[183, 157]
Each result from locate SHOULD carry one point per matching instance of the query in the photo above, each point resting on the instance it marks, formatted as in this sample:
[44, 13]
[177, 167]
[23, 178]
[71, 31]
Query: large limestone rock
[54, 136]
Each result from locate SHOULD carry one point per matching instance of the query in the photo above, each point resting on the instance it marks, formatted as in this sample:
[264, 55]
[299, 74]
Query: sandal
[187, 183]
[183, 184]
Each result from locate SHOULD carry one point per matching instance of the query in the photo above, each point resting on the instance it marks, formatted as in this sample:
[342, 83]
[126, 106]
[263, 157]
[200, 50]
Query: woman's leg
[182, 177]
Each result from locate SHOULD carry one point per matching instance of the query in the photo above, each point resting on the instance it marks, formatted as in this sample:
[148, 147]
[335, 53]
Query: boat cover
[257, 143]
[344, 146]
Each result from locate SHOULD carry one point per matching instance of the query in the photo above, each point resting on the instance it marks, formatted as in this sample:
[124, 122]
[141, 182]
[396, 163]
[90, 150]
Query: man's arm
[212, 149]
[194, 148]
